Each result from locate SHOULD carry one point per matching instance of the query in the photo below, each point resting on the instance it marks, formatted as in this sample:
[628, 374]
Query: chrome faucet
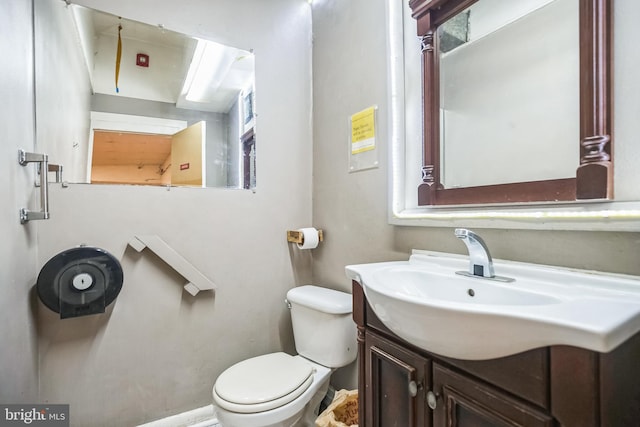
[480, 262]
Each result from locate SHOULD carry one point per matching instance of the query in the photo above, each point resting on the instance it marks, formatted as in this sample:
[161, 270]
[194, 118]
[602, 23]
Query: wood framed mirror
[590, 172]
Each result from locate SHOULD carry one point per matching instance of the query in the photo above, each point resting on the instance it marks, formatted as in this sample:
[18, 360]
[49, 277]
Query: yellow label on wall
[363, 131]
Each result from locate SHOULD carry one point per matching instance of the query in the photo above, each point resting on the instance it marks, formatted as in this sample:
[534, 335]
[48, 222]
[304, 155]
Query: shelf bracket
[196, 281]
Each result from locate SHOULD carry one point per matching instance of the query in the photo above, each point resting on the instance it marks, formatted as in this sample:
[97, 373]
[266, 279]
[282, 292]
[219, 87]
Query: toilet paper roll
[310, 238]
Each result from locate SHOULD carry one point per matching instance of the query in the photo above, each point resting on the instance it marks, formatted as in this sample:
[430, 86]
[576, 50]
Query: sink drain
[471, 292]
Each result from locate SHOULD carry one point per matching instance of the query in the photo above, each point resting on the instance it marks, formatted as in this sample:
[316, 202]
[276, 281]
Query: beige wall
[18, 350]
[350, 73]
[63, 89]
[157, 350]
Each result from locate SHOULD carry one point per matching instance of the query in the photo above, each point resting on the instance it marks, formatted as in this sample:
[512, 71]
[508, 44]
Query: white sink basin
[425, 302]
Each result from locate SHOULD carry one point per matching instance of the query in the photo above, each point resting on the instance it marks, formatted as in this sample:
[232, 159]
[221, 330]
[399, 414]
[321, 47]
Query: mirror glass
[119, 101]
[509, 92]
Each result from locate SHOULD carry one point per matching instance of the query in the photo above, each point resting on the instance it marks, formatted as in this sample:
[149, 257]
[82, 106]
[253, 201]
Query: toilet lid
[263, 382]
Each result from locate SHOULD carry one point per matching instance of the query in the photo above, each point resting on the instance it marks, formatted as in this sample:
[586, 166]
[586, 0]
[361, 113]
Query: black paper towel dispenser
[80, 281]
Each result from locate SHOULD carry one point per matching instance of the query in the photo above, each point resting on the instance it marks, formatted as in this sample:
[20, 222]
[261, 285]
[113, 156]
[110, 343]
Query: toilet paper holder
[80, 281]
[296, 236]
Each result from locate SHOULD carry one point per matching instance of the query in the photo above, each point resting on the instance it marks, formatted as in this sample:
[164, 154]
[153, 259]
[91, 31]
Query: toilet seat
[262, 383]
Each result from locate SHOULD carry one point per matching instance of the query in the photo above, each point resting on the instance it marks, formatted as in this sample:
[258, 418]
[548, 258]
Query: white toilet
[280, 390]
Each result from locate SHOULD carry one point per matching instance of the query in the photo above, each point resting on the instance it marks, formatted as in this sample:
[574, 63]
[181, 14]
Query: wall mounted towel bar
[42, 161]
[43, 164]
[196, 280]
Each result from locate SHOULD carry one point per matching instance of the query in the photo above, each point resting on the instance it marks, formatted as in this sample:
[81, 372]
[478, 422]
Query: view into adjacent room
[147, 86]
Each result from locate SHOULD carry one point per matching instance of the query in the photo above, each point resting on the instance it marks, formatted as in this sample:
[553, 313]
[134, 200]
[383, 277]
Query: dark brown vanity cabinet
[395, 393]
[404, 386]
[462, 401]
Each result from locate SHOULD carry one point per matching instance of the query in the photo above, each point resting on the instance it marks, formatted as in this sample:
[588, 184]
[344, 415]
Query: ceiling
[240, 72]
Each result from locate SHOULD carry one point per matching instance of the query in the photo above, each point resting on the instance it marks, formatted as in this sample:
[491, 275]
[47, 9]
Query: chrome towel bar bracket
[42, 160]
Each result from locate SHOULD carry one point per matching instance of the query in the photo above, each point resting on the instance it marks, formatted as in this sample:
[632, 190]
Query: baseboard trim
[199, 417]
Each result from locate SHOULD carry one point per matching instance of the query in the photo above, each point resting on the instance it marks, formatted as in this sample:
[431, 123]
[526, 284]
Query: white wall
[626, 107]
[489, 15]
[508, 96]
[18, 350]
[63, 90]
[158, 82]
[158, 350]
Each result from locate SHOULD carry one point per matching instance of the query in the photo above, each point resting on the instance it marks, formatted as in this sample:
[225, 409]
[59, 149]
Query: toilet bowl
[281, 390]
[289, 400]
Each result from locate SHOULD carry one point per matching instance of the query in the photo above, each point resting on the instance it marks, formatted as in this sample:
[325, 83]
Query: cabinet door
[464, 402]
[395, 385]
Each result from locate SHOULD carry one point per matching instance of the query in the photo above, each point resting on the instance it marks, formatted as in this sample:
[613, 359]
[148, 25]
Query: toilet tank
[323, 328]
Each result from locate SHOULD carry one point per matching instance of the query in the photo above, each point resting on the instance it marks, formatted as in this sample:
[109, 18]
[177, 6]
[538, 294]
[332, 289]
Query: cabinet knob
[432, 400]
[414, 387]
